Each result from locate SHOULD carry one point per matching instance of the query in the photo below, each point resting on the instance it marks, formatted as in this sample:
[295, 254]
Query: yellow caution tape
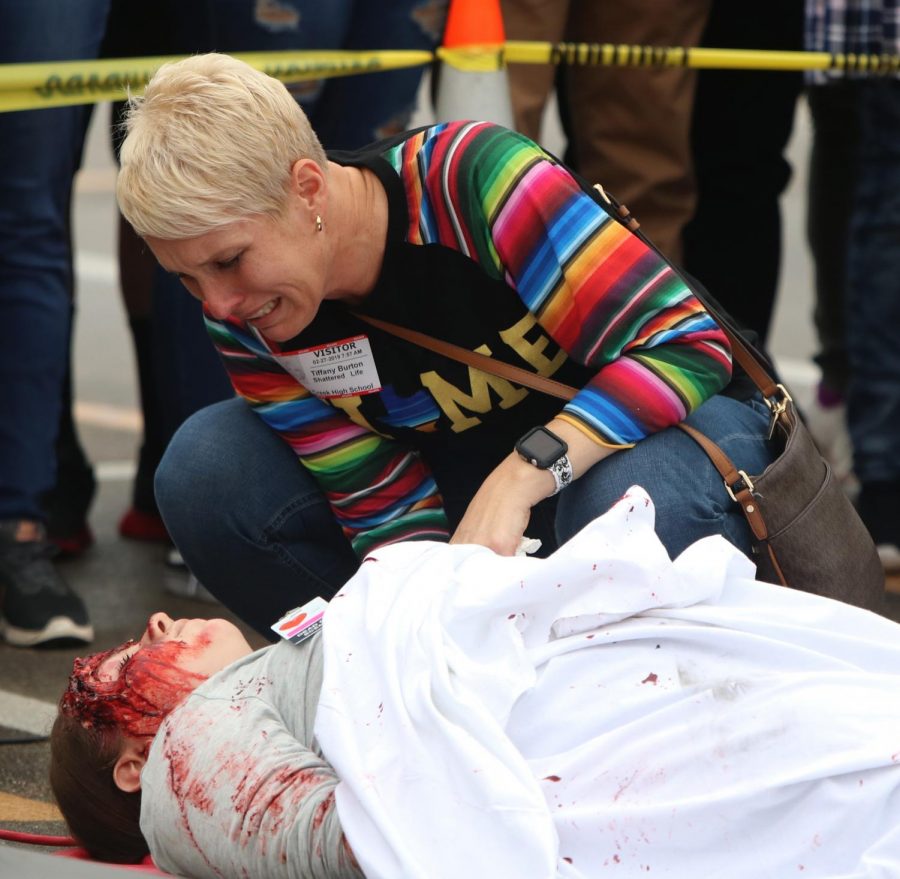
[61, 83]
[611, 55]
[482, 58]
[55, 84]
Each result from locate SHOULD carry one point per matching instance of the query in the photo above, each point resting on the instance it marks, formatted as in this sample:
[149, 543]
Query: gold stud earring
[319, 225]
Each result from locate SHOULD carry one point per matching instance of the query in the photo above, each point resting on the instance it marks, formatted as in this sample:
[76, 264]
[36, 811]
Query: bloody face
[137, 700]
[135, 685]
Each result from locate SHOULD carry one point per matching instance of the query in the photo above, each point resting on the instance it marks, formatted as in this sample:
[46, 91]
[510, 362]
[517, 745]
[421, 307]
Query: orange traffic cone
[473, 81]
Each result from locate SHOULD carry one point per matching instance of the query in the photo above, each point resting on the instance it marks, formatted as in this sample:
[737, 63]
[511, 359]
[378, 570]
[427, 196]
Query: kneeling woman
[344, 437]
[462, 713]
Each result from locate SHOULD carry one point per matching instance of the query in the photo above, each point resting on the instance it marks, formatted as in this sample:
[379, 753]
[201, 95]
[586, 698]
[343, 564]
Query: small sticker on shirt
[345, 368]
[302, 622]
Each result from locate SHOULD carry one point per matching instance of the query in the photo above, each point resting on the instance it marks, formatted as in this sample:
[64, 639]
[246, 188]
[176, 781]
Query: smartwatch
[545, 450]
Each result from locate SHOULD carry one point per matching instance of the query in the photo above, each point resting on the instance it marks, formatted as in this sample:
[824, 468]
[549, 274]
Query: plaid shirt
[860, 27]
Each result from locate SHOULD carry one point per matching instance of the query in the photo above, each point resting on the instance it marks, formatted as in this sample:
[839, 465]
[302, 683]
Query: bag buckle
[744, 482]
[777, 407]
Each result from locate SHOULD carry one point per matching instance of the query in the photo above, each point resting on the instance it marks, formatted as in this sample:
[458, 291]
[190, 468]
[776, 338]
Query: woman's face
[270, 273]
[134, 686]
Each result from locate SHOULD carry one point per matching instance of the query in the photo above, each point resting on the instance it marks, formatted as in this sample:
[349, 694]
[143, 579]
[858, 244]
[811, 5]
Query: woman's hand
[498, 515]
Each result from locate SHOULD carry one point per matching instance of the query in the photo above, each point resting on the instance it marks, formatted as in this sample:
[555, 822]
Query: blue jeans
[873, 289]
[256, 529]
[40, 150]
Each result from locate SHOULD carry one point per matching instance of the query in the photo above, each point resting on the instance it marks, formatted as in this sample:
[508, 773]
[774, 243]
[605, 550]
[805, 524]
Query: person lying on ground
[465, 713]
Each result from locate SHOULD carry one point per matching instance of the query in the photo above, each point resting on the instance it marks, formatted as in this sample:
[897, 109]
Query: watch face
[541, 447]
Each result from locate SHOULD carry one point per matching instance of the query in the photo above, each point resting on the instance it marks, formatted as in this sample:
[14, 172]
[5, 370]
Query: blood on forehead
[151, 683]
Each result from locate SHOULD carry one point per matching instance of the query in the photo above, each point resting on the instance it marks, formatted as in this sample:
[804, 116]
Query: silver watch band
[561, 470]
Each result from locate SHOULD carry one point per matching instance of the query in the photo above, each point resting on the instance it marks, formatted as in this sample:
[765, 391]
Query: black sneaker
[38, 606]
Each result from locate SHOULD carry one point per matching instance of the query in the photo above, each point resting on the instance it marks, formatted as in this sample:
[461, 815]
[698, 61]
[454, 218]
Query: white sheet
[608, 712]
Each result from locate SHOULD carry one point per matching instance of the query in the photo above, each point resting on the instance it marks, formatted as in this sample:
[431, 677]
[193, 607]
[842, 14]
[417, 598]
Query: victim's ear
[127, 771]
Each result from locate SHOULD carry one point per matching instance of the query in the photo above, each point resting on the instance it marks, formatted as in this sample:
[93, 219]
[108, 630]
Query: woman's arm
[498, 515]
[609, 300]
[380, 491]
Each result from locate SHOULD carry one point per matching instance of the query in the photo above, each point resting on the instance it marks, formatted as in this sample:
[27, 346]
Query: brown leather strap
[742, 354]
[749, 362]
[735, 480]
[474, 359]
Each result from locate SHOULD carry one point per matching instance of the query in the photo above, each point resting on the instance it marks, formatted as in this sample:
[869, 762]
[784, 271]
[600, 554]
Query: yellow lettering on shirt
[532, 352]
[451, 399]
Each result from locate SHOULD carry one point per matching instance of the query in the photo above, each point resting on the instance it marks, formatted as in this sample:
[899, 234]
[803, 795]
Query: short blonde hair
[212, 140]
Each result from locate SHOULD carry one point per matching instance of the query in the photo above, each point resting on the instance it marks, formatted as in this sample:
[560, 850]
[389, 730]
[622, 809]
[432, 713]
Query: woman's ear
[308, 183]
[127, 771]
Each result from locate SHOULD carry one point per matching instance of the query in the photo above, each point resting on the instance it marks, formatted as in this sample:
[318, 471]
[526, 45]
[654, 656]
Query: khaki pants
[629, 128]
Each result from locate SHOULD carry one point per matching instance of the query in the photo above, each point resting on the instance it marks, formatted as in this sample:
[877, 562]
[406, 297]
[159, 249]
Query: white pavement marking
[26, 714]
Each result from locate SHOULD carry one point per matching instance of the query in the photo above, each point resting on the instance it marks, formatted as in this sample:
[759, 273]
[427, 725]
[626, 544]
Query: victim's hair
[102, 818]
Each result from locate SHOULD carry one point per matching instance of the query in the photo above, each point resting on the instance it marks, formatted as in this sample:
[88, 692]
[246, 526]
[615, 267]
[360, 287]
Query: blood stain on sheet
[552, 778]
[651, 678]
[624, 785]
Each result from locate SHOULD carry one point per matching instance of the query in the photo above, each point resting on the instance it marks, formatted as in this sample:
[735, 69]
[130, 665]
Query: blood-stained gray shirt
[235, 784]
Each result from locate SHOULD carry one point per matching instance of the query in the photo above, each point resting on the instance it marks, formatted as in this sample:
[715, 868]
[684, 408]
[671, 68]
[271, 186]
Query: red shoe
[74, 543]
[138, 525]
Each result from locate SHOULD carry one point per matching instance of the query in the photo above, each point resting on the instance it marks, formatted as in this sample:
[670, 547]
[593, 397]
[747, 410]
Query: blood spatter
[149, 685]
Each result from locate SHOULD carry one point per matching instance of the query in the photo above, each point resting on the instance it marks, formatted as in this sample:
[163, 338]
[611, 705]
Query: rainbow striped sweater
[494, 246]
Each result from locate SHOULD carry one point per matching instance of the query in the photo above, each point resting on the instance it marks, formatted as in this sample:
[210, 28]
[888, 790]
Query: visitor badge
[345, 368]
[302, 622]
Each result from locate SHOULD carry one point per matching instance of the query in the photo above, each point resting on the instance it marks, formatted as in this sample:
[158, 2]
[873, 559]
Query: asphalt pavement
[123, 581]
